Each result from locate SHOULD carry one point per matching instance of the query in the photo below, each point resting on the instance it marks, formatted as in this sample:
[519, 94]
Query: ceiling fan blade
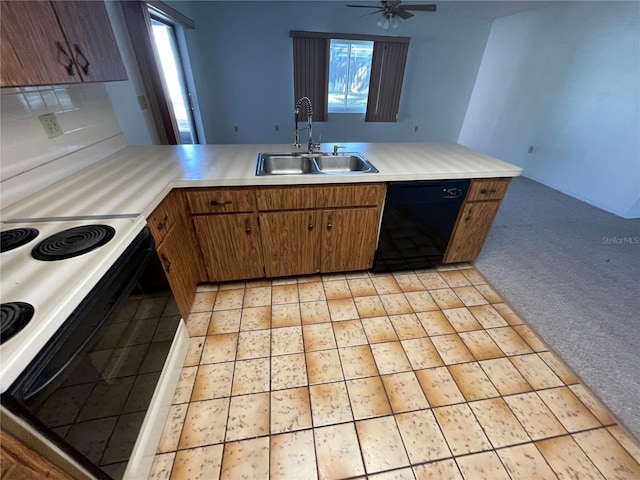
[377, 12]
[420, 8]
[402, 13]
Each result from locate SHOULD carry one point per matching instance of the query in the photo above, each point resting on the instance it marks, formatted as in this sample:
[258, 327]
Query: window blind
[311, 74]
[385, 85]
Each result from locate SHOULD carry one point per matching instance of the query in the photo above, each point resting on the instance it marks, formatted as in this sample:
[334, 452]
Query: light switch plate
[51, 126]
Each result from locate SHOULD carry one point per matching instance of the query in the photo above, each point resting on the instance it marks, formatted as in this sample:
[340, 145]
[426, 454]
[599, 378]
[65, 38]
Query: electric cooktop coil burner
[73, 242]
[16, 237]
[13, 318]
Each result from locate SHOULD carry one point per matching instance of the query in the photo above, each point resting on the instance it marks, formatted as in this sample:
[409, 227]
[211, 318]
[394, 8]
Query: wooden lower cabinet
[475, 219]
[290, 242]
[230, 245]
[348, 239]
[179, 259]
[20, 462]
[177, 248]
[471, 230]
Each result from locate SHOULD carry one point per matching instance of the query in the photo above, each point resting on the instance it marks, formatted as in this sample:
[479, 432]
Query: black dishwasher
[417, 222]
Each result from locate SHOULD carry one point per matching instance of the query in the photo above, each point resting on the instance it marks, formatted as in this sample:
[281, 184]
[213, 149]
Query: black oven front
[88, 389]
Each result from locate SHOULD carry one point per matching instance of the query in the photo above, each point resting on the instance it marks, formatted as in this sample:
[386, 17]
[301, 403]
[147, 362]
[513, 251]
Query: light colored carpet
[556, 260]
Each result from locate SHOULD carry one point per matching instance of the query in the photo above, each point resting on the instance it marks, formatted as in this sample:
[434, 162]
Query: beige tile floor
[415, 375]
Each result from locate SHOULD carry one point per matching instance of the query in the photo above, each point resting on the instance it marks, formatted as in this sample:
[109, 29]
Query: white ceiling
[487, 9]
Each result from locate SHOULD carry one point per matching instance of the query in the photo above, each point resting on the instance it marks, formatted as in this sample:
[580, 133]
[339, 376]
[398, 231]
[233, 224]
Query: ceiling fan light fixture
[387, 21]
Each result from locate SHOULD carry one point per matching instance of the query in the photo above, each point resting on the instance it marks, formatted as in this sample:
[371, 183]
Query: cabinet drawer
[361, 195]
[221, 200]
[164, 217]
[289, 198]
[493, 189]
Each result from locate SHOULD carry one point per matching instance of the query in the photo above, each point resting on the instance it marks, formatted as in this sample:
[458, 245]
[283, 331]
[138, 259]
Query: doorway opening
[172, 69]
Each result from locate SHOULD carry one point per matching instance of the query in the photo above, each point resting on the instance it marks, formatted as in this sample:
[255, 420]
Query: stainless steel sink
[344, 163]
[312, 164]
[285, 165]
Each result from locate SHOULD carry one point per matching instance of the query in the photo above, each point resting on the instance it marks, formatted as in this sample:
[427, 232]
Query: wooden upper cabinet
[29, 39]
[38, 44]
[91, 40]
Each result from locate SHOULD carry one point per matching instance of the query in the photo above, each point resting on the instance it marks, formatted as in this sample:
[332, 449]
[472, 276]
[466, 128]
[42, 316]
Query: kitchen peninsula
[137, 181]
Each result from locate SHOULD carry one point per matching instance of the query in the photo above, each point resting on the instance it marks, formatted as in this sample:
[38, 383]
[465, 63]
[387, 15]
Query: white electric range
[53, 288]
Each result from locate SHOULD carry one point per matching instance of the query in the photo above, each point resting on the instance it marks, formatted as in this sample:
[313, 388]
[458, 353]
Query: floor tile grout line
[536, 352]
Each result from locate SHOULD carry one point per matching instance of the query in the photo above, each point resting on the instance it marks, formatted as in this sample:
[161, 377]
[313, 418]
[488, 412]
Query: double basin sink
[299, 163]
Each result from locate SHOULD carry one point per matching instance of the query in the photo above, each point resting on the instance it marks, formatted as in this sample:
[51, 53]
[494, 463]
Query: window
[349, 73]
[342, 88]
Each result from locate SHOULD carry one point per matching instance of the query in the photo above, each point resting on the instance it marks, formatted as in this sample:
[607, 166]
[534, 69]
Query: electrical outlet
[50, 125]
[142, 102]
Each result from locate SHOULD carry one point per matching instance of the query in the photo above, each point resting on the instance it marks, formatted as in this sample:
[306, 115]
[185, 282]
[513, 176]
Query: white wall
[244, 56]
[565, 79]
[29, 159]
[137, 123]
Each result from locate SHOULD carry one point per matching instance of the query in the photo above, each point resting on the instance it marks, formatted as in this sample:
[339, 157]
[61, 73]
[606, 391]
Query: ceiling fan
[392, 11]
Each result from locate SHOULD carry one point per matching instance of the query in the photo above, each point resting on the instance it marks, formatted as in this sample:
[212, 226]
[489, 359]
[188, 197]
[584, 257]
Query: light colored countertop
[134, 180]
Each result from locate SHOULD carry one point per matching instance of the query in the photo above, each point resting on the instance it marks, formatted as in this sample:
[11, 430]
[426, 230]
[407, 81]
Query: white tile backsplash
[85, 115]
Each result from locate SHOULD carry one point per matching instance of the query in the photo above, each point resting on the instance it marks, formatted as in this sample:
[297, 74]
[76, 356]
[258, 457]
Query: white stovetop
[135, 179]
[55, 288]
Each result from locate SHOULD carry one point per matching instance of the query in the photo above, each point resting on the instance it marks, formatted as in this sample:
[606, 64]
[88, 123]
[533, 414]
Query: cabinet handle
[469, 214]
[85, 66]
[68, 66]
[310, 223]
[166, 261]
[484, 191]
[163, 223]
[247, 226]
[329, 225]
[215, 203]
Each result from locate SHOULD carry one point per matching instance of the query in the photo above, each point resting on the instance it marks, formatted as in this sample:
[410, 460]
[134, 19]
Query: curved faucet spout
[309, 105]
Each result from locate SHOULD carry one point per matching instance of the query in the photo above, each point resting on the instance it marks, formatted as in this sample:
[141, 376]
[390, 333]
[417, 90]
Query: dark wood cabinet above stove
[49, 43]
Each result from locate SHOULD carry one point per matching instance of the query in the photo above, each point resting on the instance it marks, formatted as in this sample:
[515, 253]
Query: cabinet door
[93, 45]
[178, 259]
[471, 230]
[348, 239]
[230, 246]
[30, 35]
[290, 242]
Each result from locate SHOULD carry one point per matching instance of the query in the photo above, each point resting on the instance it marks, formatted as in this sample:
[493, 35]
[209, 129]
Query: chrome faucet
[310, 145]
